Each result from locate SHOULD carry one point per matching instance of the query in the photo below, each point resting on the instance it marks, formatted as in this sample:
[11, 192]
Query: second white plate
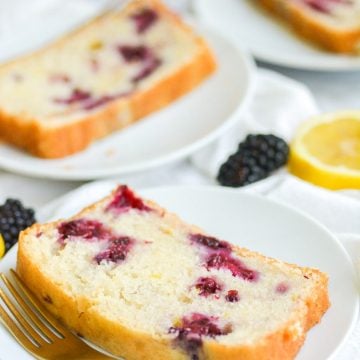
[168, 135]
[267, 39]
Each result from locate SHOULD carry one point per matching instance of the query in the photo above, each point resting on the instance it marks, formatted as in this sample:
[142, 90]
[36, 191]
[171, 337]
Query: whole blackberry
[256, 157]
[14, 217]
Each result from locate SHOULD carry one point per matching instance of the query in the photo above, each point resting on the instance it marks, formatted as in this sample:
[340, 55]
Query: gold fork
[43, 336]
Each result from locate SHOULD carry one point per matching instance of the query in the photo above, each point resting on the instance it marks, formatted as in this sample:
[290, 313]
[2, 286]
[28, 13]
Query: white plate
[168, 135]
[267, 39]
[253, 222]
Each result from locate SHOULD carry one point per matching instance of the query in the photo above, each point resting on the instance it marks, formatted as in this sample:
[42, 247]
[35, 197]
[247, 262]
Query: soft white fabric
[280, 105]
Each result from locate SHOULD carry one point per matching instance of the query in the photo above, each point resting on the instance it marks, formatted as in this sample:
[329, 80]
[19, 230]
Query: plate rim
[249, 66]
[289, 63]
[241, 193]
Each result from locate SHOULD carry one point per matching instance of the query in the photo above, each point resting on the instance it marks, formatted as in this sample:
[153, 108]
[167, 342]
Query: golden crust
[60, 141]
[77, 314]
[308, 27]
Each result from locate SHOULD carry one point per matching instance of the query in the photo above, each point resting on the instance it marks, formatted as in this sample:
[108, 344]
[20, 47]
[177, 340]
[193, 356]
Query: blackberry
[14, 217]
[256, 157]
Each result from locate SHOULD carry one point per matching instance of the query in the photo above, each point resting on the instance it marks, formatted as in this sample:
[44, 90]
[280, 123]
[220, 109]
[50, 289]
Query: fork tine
[21, 320]
[40, 307]
[15, 331]
[28, 311]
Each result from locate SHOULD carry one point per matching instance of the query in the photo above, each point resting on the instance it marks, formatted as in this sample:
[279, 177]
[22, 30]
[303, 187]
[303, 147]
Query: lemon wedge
[326, 151]
[2, 246]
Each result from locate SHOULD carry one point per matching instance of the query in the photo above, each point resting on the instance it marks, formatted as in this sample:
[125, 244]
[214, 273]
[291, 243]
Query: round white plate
[167, 135]
[267, 39]
[249, 221]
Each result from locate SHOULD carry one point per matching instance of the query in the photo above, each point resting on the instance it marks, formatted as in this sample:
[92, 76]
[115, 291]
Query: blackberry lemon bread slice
[332, 24]
[103, 77]
[141, 283]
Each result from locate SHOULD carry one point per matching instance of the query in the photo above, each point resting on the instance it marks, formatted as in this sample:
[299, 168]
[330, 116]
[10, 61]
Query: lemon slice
[2, 247]
[326, 151]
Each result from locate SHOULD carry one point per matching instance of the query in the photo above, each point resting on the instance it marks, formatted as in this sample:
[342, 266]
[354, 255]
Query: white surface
[167, 135]
[332, 91]
[253, 222]
[48, 19]
[44, 19]
[267, 39]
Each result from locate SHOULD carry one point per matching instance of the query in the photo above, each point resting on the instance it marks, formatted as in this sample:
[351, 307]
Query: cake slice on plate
[108, 74]
[141, 283]
[332, 24]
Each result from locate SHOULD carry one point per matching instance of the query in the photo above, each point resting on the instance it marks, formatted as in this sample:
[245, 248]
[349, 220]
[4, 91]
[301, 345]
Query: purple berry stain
[325, 6]
[77, 96]
[210, 242]
[116, 251]
[219, 256]
[150, 66]
[207, 286]
[86, 100]
[144, 19]
[83, 228]
[192, 329]
[134, 53]
[140, 54]
[223, 260]
[124, 200]
[100, 101]
[117, 247]
[282, 288]
[232, 296]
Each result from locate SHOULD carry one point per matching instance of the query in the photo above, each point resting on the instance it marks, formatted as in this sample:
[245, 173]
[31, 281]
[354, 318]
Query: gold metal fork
[38, 332]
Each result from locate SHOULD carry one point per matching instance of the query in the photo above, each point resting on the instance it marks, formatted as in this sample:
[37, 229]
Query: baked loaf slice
[332, 24]
[102, 77]
[139, 282]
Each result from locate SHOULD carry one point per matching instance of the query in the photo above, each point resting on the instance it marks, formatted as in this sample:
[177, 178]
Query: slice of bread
[106, 75]
[332, 24]
[141, 283]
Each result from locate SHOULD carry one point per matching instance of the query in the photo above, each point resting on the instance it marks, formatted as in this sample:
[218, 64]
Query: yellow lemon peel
[2, 246]
[326, 151]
